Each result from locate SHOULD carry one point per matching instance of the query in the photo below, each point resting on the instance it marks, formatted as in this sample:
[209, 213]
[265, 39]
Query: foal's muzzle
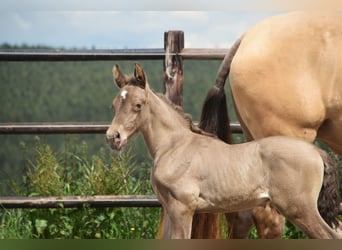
[116, 142]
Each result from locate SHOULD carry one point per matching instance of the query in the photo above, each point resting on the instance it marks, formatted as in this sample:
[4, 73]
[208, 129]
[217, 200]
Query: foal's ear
[139, 75]
[119, 77]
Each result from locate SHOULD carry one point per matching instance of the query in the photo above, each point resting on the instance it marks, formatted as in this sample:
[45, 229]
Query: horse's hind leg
[206, 226]
[239, 224]
[268, 222]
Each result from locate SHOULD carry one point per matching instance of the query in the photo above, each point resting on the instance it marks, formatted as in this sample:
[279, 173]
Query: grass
[73, 172]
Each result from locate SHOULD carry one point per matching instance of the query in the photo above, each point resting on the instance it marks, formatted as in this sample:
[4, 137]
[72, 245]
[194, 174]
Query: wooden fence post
[173, 66]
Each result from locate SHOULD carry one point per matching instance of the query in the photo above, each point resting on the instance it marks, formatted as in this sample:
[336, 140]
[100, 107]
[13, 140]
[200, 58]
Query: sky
[113, 24]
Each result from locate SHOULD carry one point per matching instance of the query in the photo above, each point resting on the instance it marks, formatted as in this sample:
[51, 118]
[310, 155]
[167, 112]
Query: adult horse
[195, 172]
[285, 76]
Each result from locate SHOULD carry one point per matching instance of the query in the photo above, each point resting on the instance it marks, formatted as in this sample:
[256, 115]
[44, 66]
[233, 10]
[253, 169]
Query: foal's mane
[185, 116]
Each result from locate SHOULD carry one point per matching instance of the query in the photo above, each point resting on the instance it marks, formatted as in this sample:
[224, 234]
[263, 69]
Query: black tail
[214, 117]
[329, 200]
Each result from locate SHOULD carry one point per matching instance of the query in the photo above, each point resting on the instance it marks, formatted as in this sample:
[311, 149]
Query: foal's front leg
[180, 219]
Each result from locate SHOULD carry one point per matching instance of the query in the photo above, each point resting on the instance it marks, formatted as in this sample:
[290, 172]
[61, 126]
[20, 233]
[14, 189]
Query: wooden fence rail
[69, 128]
[79, 201]
[103, 55]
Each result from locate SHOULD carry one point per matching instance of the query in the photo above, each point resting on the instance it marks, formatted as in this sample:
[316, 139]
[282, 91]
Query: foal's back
[254, 171]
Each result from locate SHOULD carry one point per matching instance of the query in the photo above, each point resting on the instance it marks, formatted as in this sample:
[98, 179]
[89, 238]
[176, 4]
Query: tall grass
[72, 171]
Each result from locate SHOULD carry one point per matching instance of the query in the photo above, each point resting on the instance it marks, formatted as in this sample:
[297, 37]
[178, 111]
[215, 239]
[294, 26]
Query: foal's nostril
[117, 135]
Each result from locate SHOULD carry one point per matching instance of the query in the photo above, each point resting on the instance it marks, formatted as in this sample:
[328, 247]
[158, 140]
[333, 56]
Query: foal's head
[128, 106]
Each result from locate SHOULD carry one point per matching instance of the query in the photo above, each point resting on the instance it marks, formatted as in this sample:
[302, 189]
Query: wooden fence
[173, 55]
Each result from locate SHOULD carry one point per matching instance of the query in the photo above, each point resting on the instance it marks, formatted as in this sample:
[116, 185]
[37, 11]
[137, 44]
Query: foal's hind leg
[308, 220]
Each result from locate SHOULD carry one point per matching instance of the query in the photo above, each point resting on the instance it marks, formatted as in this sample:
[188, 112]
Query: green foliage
[44, 177]
[15, 224]
[73, 172]
[291, 232]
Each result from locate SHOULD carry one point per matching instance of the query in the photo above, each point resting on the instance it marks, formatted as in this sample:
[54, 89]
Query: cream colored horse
[194, 172]
[285, 76]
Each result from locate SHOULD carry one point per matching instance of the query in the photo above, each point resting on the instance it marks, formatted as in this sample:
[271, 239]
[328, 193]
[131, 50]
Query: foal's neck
[164, 125]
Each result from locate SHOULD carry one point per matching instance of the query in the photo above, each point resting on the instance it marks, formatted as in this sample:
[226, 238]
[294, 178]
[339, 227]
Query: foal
[196, 173]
